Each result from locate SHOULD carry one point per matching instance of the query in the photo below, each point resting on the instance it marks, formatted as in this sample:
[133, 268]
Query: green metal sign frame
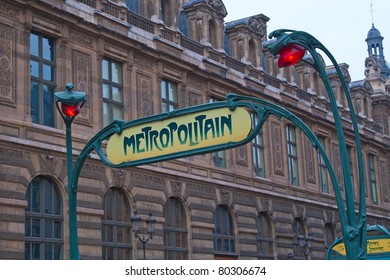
[353, 228]
[260, 108]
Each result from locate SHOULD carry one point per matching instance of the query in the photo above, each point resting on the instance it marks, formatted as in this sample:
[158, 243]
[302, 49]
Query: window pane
[218, 243]
[48, 193]
[105, 70]
[57, 252]
[48, 229]
[116, 73]
[34, 95]
[164, 108]
[48, 251]
[57, 202]
[47, 48]
[57, 229]
[172, 92]
[116, 94]
[48, 106]
[48, 72]
[27, 227]
[164, 89]
[36, 228]
[117, 112]
[35, 196]
[34, 47]
[34, 68]
[106, 116]
[110, 237]
[106, 91]
[36, 253]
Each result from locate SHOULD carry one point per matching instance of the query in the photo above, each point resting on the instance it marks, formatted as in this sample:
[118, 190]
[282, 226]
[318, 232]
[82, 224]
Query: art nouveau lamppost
[291, 46]
[69, 104]
[150, 223]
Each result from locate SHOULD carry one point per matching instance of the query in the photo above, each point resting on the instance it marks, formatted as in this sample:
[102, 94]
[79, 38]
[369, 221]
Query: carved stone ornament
[300, 210]
[266, 204]
[225, 196]
[118, 177]
[177, 187]
[6, 69]
[329, 217]
[48, 164]
[9, 11]
[373, 67]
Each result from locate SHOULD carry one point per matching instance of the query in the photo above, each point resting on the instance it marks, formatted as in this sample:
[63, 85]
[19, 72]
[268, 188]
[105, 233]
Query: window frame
[43, 216]
[372, 179]
[116, 224]
[292, 159]
[109, 100]
[175, 226]
[224, 231]
[265, 237]
[322, 168]
[258, 153]
[171, 104]
[40, 101]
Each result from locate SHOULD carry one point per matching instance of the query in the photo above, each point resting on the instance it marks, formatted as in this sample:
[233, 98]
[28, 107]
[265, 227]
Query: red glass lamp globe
[290, 54]
[70, 110]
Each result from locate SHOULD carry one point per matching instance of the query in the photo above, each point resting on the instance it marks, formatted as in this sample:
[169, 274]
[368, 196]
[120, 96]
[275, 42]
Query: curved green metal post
[354, 231]
[72, 196]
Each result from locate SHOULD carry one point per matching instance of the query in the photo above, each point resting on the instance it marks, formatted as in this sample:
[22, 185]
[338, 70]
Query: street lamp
[150, 223]
[305, 244]
[291, 46]
[69, 104]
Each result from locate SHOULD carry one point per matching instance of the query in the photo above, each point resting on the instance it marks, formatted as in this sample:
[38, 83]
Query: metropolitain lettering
[191, 134]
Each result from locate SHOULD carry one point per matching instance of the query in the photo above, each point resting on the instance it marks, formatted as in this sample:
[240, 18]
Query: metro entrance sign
[186, 132]
[189, 133]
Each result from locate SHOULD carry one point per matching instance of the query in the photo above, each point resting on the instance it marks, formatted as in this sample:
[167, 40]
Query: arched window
[223, 232]
[213, 35]
[175, 231]
[299, 231]
[252, 53]
[43, 221]
[329, 236]
[116, 226]
[166, 12]
[265, 241]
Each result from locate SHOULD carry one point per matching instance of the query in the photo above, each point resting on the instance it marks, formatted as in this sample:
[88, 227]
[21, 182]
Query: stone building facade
[139, 58]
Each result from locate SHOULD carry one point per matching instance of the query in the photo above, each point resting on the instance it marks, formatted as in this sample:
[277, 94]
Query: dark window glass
[265, 246]
[43, 221]
[116, 226]
[224, 241]
[323, 169]
[374, 191]
[258, 151]
[112, 91]
[292, 156]
[175, 231]
[43, 81]
[169, 96]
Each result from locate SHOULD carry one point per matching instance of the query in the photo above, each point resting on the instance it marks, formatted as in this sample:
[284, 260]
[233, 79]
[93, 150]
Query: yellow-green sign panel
[374, 246]
[185, 133]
